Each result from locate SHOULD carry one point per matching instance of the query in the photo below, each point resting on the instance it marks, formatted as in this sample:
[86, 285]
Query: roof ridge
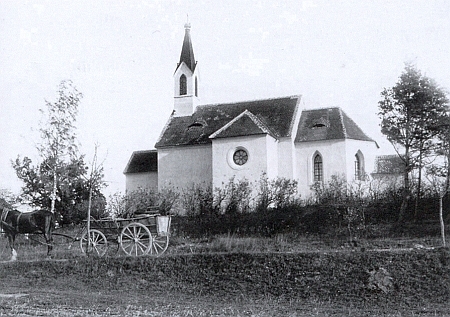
[296, 116]
[246, 101]
[166, 126]
[145, 151]
[344, 128]
[322, 108]
[260, 123]
[252, 117]
[357, 125]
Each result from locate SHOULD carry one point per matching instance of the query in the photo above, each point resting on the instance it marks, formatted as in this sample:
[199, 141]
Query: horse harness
[5, 213]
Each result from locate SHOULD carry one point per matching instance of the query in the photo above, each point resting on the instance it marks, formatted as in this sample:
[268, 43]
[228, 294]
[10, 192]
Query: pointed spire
[187, 52]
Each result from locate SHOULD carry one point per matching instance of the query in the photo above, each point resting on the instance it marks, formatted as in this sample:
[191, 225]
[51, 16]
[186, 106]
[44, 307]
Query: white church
[210, 144]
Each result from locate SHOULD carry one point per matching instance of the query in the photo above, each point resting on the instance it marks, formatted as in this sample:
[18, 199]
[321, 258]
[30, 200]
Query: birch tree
[58, 132]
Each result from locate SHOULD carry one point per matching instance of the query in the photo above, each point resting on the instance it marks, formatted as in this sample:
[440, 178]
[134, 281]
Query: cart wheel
[99, 244]
[159, 245]
[136, 239]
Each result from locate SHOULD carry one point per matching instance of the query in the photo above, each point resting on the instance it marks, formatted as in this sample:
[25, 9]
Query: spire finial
[187, 26]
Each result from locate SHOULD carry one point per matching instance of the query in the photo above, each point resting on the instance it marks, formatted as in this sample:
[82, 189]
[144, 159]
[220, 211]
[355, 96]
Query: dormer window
[183, 85]
[196, 126]
[320, 123]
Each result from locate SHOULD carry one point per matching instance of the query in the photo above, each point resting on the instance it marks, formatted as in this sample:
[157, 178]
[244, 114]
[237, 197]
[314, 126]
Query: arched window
[318, 168]
[196, 87]
[359, 166]
[183, 85]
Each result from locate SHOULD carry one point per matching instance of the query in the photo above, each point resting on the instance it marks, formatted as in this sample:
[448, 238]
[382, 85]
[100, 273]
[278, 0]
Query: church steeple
[187, 52]
[186, 78]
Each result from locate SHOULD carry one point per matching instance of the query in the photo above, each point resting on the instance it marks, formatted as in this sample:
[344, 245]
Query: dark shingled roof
[276, 115]
[389, 165]
[142, 162]
[244, 124]
[328, 124]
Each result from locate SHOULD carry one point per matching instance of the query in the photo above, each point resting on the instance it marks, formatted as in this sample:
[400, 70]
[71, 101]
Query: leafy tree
[72, 188]
[60, 181]
[407, 111]
[439, 172]
[7, 198]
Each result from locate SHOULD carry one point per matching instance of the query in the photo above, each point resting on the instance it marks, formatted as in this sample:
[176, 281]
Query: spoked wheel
[159, 245]
[136, 239]
[98, 243]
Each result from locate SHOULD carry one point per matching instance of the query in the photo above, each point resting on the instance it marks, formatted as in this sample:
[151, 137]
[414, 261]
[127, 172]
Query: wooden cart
[140, 235]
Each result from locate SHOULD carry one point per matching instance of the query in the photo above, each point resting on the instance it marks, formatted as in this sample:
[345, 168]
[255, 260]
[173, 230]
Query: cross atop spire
[187, 25]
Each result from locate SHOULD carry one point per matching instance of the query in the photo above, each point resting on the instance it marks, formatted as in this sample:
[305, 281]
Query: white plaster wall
[273, 158]
[134, 181]
[369, 151]
[262, 157]
[286, 158]
[182, 166]
[338, 159]
[185, 105]
[334, 162]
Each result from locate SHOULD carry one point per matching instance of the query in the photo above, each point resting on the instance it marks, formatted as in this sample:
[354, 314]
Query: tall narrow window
[196, 87]
[359, 166]
[318, 168]
[183, 85]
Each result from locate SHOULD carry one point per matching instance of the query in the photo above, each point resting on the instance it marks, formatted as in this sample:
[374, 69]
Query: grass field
[287, 275]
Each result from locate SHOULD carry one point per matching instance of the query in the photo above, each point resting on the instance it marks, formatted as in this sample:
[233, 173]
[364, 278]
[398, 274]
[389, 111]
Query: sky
[122, 55]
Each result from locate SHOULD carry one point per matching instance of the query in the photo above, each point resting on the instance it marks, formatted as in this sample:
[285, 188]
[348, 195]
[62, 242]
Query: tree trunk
[441, 219]
[406, 195]
[54, 189]
[88, 228]
[419, 188]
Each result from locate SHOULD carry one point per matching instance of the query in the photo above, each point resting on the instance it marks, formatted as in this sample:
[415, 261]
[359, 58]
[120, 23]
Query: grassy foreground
[350, 283]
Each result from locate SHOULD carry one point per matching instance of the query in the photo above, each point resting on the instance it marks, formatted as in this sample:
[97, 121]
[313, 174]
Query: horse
[14, 222]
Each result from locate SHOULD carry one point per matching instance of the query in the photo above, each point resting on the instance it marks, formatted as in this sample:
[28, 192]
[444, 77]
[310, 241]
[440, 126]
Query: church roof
[244, 124]
[142, 162]
[187, 52]
[389, 165]
[272, 116]
[328, 124]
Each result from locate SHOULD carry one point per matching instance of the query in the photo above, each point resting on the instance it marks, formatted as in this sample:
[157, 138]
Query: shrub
[197, 200]
[276, 193]
[347, 203]
[140, 200]
[234, 197]
[79, 212]
[165, 199]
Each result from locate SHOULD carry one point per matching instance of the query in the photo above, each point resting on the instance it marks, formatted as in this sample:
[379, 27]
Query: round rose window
[240, 157]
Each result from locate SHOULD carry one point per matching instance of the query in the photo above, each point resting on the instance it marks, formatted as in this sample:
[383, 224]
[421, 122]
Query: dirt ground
[240, 284]
[119, 304]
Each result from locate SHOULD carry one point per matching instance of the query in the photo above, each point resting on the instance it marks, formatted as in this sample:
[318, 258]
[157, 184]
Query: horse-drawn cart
[140, 235]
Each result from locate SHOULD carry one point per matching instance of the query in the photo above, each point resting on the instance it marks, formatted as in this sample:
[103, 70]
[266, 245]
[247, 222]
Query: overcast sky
[122, 54]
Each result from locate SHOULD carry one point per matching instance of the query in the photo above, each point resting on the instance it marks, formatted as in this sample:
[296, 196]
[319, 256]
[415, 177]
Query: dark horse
[14, 222]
